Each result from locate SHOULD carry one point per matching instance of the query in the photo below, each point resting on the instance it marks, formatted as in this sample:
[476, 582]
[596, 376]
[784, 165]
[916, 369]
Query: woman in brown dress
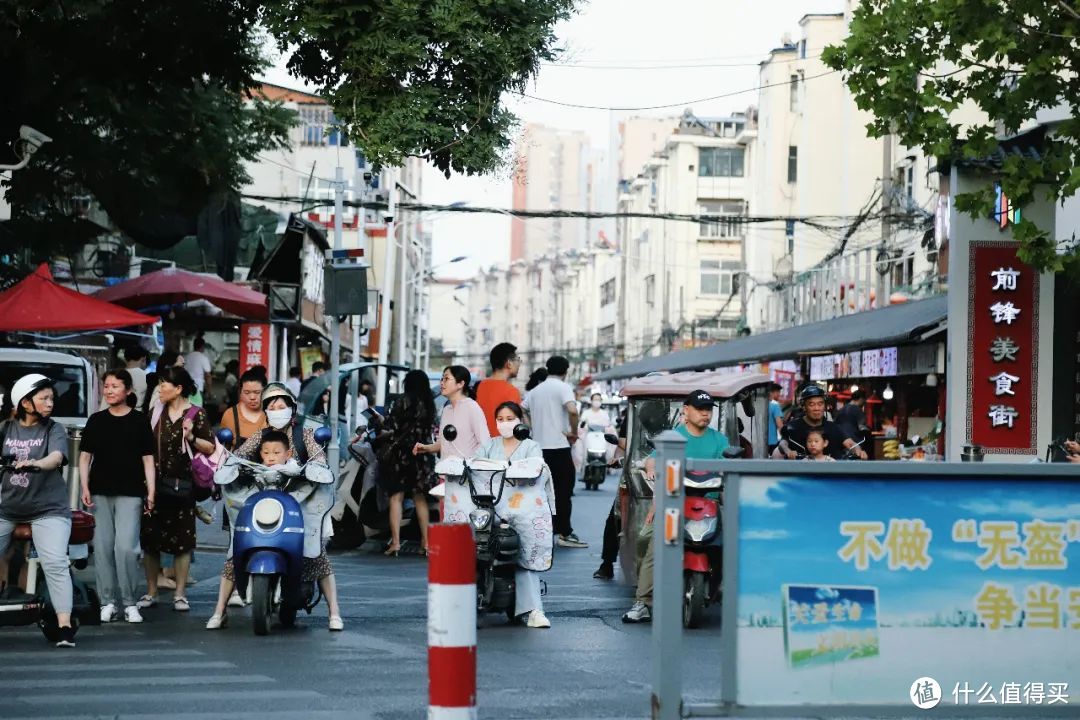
[170, 527]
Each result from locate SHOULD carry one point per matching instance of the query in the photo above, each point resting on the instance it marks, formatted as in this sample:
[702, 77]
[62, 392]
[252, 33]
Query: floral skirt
[169, 529]
[314, 569]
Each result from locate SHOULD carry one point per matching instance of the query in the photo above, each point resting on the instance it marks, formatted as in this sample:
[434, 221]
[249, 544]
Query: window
[607, 293]
[793, 100]
[728, 224]
[802, 49]
[792, 163]
[909, 183]
[789, 233]
[720, 162]
[720, 277]
[650, 290]
[317, 122]
[605, 337]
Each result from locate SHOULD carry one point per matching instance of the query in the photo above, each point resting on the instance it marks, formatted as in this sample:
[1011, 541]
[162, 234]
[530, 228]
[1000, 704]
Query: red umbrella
[172, 286]
[38, 304]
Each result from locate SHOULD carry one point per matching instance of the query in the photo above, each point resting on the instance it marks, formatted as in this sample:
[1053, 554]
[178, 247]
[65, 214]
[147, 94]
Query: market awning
[173, 286]
[39, 304]
[893, 325]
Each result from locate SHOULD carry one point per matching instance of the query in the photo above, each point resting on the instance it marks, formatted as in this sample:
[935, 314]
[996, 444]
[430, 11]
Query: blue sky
[795, 523]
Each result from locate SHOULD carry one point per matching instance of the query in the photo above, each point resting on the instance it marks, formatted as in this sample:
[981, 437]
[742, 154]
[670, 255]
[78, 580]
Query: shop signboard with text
[1003, 350]
[875, 581]
[254, 345]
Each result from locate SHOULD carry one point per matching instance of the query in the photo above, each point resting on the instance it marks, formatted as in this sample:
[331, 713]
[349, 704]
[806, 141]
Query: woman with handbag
[181, 431]
[116, 467]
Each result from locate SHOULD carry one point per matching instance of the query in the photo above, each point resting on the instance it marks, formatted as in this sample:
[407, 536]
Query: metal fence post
[667, 578]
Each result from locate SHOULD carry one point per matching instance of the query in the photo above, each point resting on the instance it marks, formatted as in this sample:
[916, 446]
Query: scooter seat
[23, 532]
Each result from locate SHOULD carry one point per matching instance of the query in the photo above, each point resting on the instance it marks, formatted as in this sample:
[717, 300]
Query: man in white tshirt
[554, 415]
[199, 367]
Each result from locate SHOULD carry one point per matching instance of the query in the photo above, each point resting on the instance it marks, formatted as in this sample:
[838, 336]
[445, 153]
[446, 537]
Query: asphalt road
[588, 665]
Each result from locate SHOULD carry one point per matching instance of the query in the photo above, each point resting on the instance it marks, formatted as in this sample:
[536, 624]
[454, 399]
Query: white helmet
[27, 386]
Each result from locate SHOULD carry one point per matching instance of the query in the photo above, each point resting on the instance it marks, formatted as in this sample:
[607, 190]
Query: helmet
[811, 391]
[27, 386]
[275, 390]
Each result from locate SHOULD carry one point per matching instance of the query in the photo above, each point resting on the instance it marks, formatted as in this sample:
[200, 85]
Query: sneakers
[109, 613]
[132, 614]
[146, 601]
[236, 601]
[571, 541]
[204, 515]
[606, 571]
[67, 637]
[216, 622]
[537, 619]
[336, 623]
[639, 613]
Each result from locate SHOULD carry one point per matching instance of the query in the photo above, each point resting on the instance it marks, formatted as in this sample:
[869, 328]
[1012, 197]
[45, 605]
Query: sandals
[180, 604]
[146, 601]
[392, 551]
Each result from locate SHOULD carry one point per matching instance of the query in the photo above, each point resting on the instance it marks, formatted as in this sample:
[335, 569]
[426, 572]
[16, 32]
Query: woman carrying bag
[181, 431]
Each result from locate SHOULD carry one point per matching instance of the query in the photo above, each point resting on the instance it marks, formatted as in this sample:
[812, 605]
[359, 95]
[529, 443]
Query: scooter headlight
[481, 518]
[267, 515]
[698, 530]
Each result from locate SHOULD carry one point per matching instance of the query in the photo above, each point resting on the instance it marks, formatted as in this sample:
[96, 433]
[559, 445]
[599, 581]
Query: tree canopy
[148, 110]
[915, 63]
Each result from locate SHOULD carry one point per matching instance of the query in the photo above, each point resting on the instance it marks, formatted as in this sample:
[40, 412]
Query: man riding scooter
[812, 400]
[702, 443]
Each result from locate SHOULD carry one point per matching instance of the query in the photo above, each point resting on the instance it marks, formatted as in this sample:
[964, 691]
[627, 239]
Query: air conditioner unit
[144, 266]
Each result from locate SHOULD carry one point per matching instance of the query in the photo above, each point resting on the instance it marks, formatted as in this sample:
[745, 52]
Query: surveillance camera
[33, 138]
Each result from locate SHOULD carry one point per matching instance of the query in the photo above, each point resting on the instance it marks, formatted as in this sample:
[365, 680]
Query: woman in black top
[116, 466]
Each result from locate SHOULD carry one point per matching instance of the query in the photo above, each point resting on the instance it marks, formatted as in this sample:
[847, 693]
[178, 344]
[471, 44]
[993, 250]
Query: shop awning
[173, 286]
[38, 304]
[893, 325]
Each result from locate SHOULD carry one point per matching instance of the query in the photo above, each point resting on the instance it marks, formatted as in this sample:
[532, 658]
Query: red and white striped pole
[451, 623]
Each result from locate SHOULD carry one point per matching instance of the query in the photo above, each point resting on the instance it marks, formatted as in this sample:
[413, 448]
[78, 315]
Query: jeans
[51, 535]
[561, 464]
[117, 555]
[527, 592]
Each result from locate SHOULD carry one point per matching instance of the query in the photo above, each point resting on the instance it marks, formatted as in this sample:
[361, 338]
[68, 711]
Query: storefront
[905, 394]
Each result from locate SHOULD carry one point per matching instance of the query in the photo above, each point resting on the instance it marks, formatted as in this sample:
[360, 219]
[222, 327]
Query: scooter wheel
[262, 603]
[693, 599]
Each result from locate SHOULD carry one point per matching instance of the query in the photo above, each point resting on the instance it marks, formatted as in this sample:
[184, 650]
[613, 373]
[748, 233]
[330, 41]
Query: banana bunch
[890, 450]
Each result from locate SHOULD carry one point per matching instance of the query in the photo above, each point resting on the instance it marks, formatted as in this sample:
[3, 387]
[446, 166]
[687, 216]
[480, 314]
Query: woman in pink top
[462, 412]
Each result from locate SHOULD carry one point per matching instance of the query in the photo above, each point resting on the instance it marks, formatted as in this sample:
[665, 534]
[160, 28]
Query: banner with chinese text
[254, 345]
[1003, 350]
[851, 588]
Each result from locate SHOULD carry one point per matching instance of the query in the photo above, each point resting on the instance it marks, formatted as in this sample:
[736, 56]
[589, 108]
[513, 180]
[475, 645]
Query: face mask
[595, 404]
[279, 418]
[506, 429]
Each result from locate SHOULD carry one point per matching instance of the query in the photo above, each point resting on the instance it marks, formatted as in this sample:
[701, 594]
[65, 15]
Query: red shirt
[491, 394]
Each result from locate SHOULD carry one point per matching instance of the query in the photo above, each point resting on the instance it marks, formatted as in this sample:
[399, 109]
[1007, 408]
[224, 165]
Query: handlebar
[7, 464]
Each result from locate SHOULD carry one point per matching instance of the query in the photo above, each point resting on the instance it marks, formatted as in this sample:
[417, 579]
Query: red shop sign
[254, 345]
[1003, 347]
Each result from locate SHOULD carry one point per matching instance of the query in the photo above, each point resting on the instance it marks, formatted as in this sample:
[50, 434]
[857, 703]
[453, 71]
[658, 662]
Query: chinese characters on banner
[1003, 347]
[254, 345]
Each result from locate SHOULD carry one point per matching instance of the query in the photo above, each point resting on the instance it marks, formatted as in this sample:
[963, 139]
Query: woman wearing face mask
[592, 416]
[535, 518]
[280, 407]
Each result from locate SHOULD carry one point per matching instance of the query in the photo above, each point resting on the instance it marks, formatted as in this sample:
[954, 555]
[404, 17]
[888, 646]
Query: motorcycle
[498, 545]
[703, 541]
[596, 453]
[277, 518]
[33, 607]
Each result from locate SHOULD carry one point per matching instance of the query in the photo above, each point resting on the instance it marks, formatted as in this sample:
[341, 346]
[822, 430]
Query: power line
[684, 103]
[689, 66]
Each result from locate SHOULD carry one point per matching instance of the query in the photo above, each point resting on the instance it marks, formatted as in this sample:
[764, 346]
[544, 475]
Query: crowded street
[170, 667]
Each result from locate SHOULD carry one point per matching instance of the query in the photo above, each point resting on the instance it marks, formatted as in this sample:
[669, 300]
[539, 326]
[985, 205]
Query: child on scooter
[816, 444]
[274, 450]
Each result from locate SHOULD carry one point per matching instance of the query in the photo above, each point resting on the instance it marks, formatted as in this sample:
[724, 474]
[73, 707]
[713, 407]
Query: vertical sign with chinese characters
[1003, 350]
[254, 345]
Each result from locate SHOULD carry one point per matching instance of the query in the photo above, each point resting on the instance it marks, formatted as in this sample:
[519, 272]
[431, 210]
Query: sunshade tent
[173, 286]
[893, 325]
[39, 304]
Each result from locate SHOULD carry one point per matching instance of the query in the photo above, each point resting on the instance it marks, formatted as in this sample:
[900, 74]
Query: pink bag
[203, 467]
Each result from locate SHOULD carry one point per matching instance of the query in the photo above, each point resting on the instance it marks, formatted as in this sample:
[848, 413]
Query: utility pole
[403, 301]
[335, 329]
[387, 289]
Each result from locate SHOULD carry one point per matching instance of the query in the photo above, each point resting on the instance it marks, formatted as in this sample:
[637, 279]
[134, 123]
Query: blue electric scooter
[275, 512]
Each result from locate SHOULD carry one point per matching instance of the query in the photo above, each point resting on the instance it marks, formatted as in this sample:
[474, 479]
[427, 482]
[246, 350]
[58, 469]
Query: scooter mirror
[323, 435]
[522, 432]
[450, 433]
[611, 438]
[225, 437]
